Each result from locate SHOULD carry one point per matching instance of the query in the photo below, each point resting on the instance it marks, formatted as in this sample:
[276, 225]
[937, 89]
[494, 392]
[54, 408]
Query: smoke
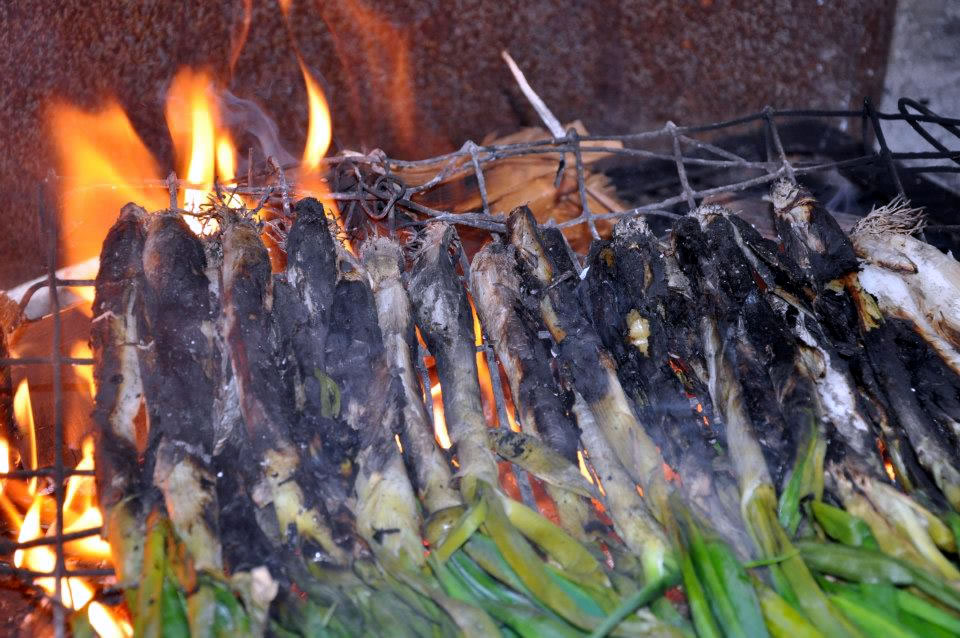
[246, 116]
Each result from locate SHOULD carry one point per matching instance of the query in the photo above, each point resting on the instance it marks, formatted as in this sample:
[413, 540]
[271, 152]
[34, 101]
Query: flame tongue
[319, 131]
[103, 164]
[79, 513]
[203, 146]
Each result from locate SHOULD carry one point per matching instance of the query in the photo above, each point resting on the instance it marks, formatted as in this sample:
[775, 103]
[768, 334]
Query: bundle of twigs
[726, 393]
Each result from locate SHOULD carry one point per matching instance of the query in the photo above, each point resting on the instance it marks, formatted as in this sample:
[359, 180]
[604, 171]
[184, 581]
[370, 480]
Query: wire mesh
[380, 198]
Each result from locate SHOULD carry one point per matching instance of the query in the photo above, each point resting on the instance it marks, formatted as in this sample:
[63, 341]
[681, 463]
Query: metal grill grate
[381, 196]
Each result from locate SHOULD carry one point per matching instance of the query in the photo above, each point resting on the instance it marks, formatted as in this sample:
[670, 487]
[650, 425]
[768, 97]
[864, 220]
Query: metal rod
[681, 171]
[884, 150]
[778, 145]
[52, 540]
[30, 361]
[43, 471]
[582, 184]
[58, 471]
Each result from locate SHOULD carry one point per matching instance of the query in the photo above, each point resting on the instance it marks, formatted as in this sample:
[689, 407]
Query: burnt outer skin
[814, 239]
[312, 268]
[446, 323]
[301, 362]
[119, 292]
[180, 369]
[248, 300]
[243, 542]
[182, 365]
[538, 396]
[851, 447]
[936, 384]
[315, 336]
[119, 288]
[266, 402]
[123, 492]
[581, 357]
[370, 397]
[724, 280]
[628, 275]
[553, 280]
[824, 251]
[627, 280]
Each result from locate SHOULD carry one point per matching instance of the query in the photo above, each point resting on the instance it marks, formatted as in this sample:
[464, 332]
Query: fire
[319, 136]
[439, 422]
[23, 412]
[486, 380]
[75, 592]
[887, 461]
[81, 350]
[226, 158]
[103, 164]
[583, 467]
[203, 147]
[319, 129]
[79, 513]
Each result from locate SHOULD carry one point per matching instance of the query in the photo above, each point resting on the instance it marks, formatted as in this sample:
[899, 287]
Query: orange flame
[226, 158]
[204, 149]
[79, 513]
[486, 380]
[319, 129]
[439, 422]
[23, 412]
[103, 164]
[81, 350]
[887, 461]
[319, 135]
[75, 592]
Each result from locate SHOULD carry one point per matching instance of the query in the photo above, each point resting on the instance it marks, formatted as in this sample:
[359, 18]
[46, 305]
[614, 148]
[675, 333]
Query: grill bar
[381, 200]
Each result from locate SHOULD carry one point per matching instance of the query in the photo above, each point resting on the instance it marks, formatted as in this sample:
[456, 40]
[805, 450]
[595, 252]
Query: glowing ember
[887, 462]
[439, 422]
[670, 474]
[583, 467]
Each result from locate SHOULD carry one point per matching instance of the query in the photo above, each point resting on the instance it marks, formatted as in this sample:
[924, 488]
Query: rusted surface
[418, 78]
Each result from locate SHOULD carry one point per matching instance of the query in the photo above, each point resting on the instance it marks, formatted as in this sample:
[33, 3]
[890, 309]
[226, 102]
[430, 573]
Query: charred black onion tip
[309, 209]
[310, 234]
[122, 249]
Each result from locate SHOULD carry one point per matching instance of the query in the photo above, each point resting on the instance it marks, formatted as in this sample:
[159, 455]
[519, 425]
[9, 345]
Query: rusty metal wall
[418, 78]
